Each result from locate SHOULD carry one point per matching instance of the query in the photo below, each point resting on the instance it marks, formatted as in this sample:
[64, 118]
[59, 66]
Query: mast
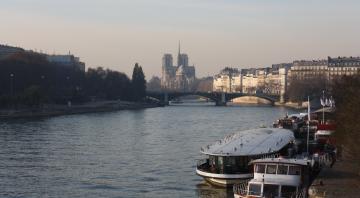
[323, 104]
[308, 127]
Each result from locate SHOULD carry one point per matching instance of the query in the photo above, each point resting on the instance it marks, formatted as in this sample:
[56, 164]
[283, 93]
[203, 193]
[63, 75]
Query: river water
[137, 153]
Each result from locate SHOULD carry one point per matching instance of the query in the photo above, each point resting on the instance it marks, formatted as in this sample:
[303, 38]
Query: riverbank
[57, 110]
[292, 105]
[341, 180]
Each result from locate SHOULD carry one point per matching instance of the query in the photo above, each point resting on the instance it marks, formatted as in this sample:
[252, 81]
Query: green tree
[138, 83]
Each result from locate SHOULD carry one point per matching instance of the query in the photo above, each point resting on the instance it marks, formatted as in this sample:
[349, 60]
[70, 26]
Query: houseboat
[276, 177]
[227, 160]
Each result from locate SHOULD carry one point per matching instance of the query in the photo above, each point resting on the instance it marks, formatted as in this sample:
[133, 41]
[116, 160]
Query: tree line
[346, 92]
[28, 79]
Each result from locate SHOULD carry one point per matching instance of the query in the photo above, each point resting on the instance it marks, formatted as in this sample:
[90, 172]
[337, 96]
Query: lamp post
[12, 84]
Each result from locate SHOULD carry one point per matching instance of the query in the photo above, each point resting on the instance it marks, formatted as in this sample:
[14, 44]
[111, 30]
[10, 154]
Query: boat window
[212, 160]
[220, 161]
[255, 189]
[260, 168]
[294, 170]
[231, 160]
[288, 191]
[271, 169]
[271, 190]
[282, 170]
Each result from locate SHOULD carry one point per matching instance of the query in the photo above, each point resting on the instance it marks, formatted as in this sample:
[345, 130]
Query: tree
[346, 93]
[107, 84]
[300, 89]
[154, 84]
[204, 84]
[138, 83]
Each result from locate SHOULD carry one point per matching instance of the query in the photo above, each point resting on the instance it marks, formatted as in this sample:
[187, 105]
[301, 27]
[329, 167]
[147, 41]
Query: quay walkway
[341, 180]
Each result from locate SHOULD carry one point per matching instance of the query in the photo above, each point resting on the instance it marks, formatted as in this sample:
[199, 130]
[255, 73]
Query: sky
[214, 33]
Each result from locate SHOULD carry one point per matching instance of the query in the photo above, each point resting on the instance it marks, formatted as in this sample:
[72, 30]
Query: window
[271, 190]
[260, 168]
[255, 189]
[282, 170]
[294, 170]
[271, 169]
[287, 191]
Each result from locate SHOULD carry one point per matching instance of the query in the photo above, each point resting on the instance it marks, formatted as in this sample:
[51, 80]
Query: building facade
[177, 78]
[270, 81]
[67, 61]
[228, 80]
[6, 51]
[328, 69]
[341, 66]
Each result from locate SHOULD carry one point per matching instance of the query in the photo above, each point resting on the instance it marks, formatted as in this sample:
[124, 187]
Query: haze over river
[138, 153]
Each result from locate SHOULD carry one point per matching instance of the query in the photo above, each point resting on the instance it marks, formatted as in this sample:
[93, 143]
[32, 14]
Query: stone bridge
[220, 98]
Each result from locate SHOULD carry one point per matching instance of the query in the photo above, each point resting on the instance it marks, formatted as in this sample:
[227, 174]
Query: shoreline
[59, 110]
[290, 105]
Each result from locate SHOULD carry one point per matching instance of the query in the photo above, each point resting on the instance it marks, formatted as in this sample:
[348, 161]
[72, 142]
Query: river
[138, 153]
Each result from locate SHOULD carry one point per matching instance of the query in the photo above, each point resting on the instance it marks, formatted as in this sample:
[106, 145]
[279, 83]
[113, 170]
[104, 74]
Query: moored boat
[277, 177]
[227, 159]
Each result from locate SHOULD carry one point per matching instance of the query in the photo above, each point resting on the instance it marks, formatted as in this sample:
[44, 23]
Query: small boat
[276, 177]
[227, 159]
[292, 122]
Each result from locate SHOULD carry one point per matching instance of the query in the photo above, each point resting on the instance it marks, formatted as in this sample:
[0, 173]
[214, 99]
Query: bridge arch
[219, 98]
[270, 99]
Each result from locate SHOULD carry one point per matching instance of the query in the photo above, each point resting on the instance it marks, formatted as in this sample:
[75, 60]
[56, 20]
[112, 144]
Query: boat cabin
[276, 177]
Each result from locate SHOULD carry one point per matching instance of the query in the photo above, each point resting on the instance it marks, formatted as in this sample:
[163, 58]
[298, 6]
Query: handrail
[242, 190]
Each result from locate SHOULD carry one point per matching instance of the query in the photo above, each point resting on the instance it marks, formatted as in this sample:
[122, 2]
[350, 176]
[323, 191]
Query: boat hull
[223, 180]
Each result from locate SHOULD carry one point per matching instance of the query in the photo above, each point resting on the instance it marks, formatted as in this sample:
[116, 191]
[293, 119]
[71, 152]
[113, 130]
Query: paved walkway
[342, 180]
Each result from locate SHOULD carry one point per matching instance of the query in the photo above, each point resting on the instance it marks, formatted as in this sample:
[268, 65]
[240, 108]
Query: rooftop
[250, 142]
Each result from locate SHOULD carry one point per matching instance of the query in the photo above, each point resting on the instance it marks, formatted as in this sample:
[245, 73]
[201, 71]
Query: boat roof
[324, 132]
[300, 115]
[250, 142]
[326, 110]
[293, 161]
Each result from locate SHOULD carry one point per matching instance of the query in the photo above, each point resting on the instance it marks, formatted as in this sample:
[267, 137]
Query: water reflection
[206, 190]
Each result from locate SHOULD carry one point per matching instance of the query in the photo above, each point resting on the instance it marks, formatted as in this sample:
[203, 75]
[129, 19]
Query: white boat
[228, 159]
[276, 177]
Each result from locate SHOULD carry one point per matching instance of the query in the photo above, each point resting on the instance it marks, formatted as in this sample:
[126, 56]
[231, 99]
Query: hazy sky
[214, 33]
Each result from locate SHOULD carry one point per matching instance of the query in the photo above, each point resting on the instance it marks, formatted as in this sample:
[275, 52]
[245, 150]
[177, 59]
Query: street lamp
[12, 84]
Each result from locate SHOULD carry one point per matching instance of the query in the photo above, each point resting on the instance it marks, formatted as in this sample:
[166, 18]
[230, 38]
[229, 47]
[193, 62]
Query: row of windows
[271, 190]
[346, 64]
[278, 169]
[344, 68]
[323, 69]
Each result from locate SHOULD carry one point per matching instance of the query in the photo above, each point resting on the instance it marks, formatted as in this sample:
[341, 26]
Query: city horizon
[214, 34]
[175, 53]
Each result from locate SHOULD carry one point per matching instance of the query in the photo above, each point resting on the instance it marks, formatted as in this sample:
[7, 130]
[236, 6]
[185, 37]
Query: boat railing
[241, 188]
[275, 155]
[201, 162]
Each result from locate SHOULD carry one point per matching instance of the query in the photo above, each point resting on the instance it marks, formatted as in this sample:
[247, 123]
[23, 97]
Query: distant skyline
[236, 33]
